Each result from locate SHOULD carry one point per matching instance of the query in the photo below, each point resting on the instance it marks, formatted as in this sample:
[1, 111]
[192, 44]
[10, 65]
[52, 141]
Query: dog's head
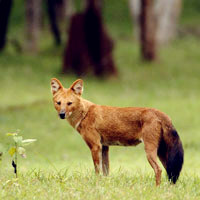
[66, 101]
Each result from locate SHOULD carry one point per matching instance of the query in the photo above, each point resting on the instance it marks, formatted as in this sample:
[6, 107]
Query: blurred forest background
[127, 53]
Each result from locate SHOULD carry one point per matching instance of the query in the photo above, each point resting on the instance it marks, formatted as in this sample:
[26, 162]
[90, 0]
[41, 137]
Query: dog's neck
[79, 114]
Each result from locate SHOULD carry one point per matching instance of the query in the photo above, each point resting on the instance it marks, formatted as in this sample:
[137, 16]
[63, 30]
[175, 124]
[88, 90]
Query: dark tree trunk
[76, 58]
[53, 19]
[147, 30]
[61, 10]
[5, 10]
[89, 44]
[98, 42]
[33, 23]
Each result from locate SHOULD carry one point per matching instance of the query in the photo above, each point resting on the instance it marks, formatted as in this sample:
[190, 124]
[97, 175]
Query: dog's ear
[77, 87]
[55, 85]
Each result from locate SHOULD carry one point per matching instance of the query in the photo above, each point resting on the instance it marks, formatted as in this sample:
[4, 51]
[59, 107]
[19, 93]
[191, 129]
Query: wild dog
[103, 126]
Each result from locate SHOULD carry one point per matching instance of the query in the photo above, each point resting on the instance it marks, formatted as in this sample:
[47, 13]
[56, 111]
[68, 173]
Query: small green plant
[18, 147]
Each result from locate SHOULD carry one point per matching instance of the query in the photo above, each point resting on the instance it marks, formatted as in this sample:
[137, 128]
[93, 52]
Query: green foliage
[19, 144]
[12, 151]
[18, 148]
[190, 13]
[191, 7]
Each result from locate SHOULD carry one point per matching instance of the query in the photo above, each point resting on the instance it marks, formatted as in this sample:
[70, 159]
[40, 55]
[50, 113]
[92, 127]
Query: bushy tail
[171, 154]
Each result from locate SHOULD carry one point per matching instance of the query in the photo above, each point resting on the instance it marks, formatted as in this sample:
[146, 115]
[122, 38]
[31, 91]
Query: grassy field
[59, 164]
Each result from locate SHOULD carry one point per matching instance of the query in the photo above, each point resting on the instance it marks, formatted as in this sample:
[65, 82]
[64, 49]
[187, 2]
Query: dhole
[102, 126]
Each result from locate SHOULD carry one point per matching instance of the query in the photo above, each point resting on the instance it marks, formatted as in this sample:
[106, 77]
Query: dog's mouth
[62, 115]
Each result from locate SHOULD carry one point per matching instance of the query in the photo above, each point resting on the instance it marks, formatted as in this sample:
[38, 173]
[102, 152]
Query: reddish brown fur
[102, 126]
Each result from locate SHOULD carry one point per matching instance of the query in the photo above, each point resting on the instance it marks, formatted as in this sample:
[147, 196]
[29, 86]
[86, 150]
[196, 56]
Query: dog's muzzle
[62, 115]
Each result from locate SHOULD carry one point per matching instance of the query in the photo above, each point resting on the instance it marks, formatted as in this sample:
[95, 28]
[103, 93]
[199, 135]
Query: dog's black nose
[62, 115]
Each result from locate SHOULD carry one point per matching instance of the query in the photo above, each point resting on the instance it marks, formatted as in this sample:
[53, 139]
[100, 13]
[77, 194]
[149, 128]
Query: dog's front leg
[93, 140]
[96, 151]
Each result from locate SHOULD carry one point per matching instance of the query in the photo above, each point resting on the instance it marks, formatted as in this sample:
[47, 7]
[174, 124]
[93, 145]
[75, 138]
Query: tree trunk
[60, 8]
[147, 31]
[135, 7]
[58, 12]
[53, 19]
[5, 10]
[69, 8]
[97, 3]
[33, 22]
[167, 13]
[89, 44]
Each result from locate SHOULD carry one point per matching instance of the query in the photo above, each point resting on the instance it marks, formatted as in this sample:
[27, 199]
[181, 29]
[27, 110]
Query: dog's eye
[58, 102]
[69, 103]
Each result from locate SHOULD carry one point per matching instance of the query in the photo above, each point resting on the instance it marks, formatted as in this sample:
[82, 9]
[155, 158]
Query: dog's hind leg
[105, 160]
[152, 158]
[151, 138]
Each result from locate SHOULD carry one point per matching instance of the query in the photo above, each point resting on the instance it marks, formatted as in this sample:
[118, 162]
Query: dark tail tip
[175, 158]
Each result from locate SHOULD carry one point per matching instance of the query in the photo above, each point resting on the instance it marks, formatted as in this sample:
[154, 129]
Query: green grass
[59, 164]
[84, 185]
